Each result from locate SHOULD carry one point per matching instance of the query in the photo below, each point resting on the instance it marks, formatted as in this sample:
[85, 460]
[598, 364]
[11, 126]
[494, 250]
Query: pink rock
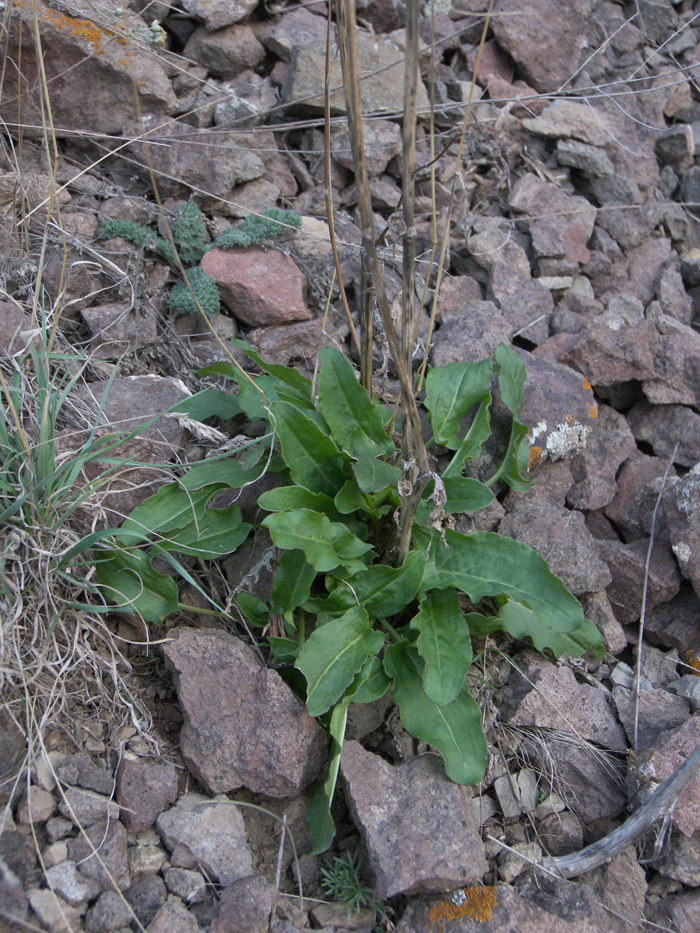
[667, 757]
[243, 725]
[415, 822]
[259, 286]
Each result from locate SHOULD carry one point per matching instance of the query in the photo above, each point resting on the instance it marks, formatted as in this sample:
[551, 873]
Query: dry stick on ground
[659, 805]
[643, 614]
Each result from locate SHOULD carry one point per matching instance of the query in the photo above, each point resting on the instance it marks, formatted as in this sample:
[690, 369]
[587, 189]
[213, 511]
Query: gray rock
[674, 624]
[559, 702]
[638, 486]
[108, 914]
[415, 823]
[670, 752]
[173, 915]
[219, 13]
[676, 377]
[595, 468]
[81, 770]
[144, 790]
[514, 861]
[116, 329]
[664, 427]
[296, 28]
[214, 833]
[457, 342]
[679, 911]
[627, 565]
[560, 833]
[146, 895]
[675, 147]
[85, 807]
[561, 537]
[17, 857]
[558, 406]
[559, 224]
[52, 911]
[493, 909]
[682, 511]
[96, 61]
[36, 806]
[680, 859]
[245, 906]
[525, 303]
[591, 160]
[74, 887]
[186, 884]
[656, 713]
[243, 725]
[382, 140]
[183, 157]
[108, 840]
[226, 52]
[382, 90]
[546, 55]
[688, 687]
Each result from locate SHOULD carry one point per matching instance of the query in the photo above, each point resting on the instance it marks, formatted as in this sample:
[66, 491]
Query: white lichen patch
[567, 439]
[682, 552]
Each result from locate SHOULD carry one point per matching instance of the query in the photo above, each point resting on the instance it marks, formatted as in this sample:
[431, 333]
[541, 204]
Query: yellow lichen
[593, 411]
[93, 35]
[693, 659]
[535, 457]
[475, 903]
[586, 384]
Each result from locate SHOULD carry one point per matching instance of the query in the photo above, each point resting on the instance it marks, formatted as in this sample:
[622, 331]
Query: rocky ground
[574, 235]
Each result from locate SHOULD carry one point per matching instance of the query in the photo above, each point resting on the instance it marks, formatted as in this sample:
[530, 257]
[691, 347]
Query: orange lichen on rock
[593, 411]
[586, 384]
[92, 34]
[535, 457]
[693, 660]
[475, 903]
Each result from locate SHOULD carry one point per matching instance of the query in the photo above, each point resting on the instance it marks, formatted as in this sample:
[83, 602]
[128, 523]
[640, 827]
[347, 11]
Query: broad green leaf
[254, 610]
[217, 532]
[370, 684]
[381, 589]
[248, 466]
[465, 494]
[521, 622]
[373, 475]
[487, 564]
[326, 544]
[318, 809]
[455, 729]
[511, 378]
[285, 650]
[209, 403]
[510, 469]
[313, 459]
[477, 434]
[130, 582]
[451, 392]
[444, 644]
[349, 499]
[285, 498]
[333, 654]
[286, 374]
[170, 508]
[355, 423]
[292, 582]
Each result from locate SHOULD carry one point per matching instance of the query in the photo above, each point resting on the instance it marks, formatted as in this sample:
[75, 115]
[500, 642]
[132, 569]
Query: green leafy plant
[189, 235]
[357, 620]
[256, 229]
[343, 883]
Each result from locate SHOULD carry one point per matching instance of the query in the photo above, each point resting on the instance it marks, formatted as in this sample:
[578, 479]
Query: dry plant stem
[453, 192]
[351, 80]
[329, 199]
[643, 614]
[657, 806]
[408, 192]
